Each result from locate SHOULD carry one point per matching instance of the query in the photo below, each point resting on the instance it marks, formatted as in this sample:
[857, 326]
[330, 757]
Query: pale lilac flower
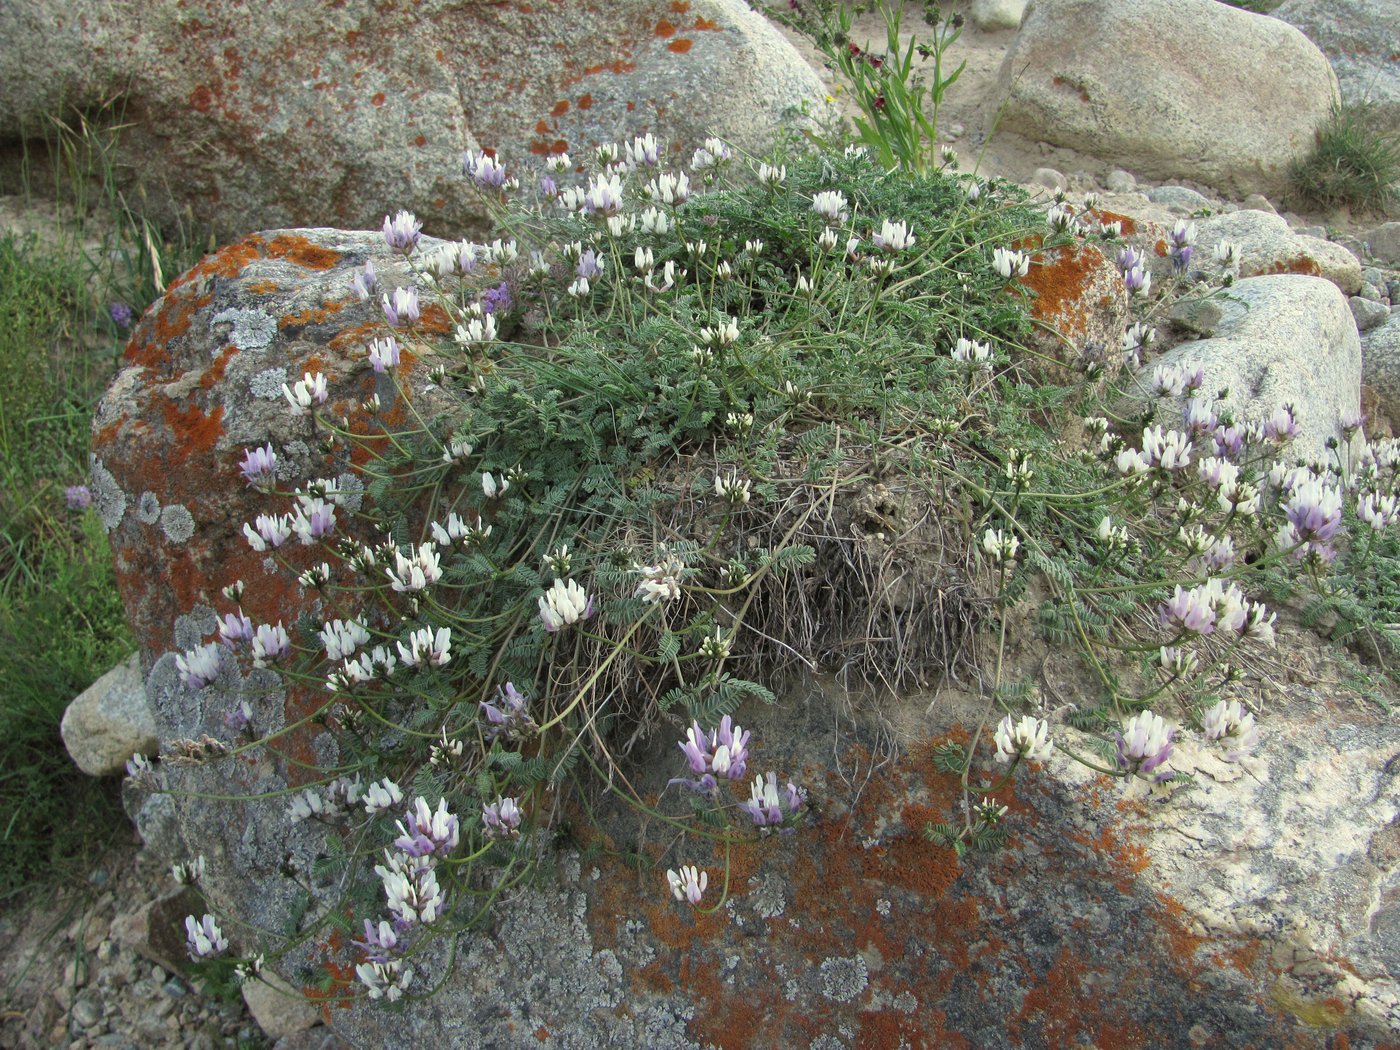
[313, 520]
[1010, 263]
[501, 819]
[1231, 723]
[379, 941]
[1314, 512]
[1138, 281]
[417, 570]
[563, 604]
[383, 354]
[1189, 612]
[309, 390]
[411, 889]
[974, 192]
[426, 646]
[425, 831]
[830, 205]
[1377, 511]
[235, 628]
[1130, 258]
[401, 308]
[508, 717]
[268, 530]
[120, 314]
[689, 884]
[259, 467]
[483, 169]
[385, 980]
[1350, 422]
[342, 637]
[1172, 380]
[365, 281]
[203, 938]
[767, 807]
[1282, 426]
[310, 803]
[643, 151]
[1145, 745]
[270, 643]
[1170, 450]
[603, 196]
[590, 265]
[1029, 737]
[725, 753]
[199, 666]
[1199, 418]
[78, 497]
[382, 795]
[1137, 338]
[401, 233]
[1229, 441]
[1177, 661]
[1218, 473]
[710, 155]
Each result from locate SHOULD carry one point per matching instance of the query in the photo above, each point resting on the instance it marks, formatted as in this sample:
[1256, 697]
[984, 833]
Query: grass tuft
[1351, 163]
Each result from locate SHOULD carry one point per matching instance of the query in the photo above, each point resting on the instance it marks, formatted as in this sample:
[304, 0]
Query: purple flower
[204, 939]
[1282, 425]
[1130, 259]
[401, 233]
[259, 467]
[365, 281]
[501, 818]
[497, 300]
[1229, 441]
[1314, 513]
[424, 831]
[379, 941]
[1181, 257]
[383, 354]
[1138, 281]
[509, 719]
[767, 807]
[590, 266]
[402, 308]
[79, 497]
[483, 169]
[121, 314]
[240, 718]
[234, 628]
[199, 666]
[1144, 745]
[548, 187]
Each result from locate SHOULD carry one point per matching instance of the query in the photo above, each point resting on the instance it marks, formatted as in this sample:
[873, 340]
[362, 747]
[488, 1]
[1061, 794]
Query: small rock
[1120, 181]
[955, 131]
[1371, 292]
[1050, 179]
[86, 1012]
[278, 1008]
[1258, 202]
[1384, 243]
[110, 721]
[1368, 313]
[1373, 275]
[1178, 199]
[991, 16]
[1319, 232]
[175, 988]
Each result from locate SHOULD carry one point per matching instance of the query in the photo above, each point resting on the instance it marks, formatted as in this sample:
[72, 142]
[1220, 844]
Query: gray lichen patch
[107, 496]
[267, 384]
[843, 979]
[352, 490]
[148, 508]
[177, 523]
[252, 329]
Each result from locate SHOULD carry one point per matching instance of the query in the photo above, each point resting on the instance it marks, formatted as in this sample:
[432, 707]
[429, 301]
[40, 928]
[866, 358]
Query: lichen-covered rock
[856, 930]
[110, 721]
[1381, 367]
[1278, 340]
[1268, 246]
[1167, 88]
[257, 115]
[993, 15]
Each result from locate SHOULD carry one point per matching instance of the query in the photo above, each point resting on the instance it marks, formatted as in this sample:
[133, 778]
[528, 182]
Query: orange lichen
[680, 46]
[311, 315]
[1297, 264]
[585, 101]
[705, 25]
[560, 108]
[377, 99]
[665, 28]
[1061, 287]
[262, 287]
[192, 430]
[305, 253]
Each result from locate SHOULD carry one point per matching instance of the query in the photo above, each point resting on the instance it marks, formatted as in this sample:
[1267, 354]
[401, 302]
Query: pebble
[1258, 202]
[86, 1012]
[1049, 178]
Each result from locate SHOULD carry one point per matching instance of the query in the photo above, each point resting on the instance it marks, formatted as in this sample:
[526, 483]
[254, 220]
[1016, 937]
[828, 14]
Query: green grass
[1351, 164]
[61, 621]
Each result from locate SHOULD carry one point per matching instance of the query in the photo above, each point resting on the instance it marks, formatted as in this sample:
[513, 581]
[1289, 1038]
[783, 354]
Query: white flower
[563, 604]
[309, 390]
[203, 938]
[771, 176]
[1231, 723]
[731, 488]
[342, 637]
[478, 332]
[970, 352]
[726, 333]
[492, 488]
[1000, 546]
[654, 221]
[1029, 737]
[1009, 263]
[269, 643]
[200, 666]
[1170, 450]
[1227, 254]
[385, 980]
[415, 571]
[427, 646]
[661, 582]
[893, 236]
[830, 205]
[558, 163]
[688, 884]
[643, 151]
[604, 195]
